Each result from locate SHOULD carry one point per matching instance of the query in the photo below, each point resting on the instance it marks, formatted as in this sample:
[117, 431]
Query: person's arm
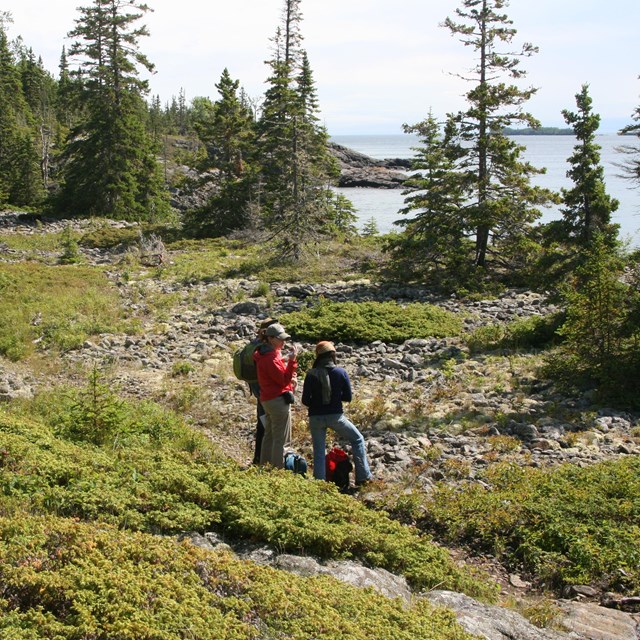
[307, 390]
[279, 372]
[347, 394]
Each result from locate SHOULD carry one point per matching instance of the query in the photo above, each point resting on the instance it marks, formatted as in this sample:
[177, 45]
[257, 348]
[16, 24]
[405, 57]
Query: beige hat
[325, 347]
[266, 323]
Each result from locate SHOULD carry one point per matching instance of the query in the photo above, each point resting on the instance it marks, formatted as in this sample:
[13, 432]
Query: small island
[539, 131]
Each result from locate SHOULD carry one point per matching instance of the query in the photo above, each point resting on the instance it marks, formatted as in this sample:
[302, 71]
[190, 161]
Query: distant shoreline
[540, 131]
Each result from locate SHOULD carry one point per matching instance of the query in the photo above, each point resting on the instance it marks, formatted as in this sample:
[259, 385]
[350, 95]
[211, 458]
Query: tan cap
[325, 347]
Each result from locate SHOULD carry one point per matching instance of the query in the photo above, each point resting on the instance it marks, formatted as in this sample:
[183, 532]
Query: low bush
[568, 525]
[536, 332]
[369, 321]
[180, 483]
[66, 579]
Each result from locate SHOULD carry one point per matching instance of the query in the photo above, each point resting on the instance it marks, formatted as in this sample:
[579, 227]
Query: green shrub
[370, 321]
[181, 368]
[70, 248]
[601, 348]
[65, 579]
[107, 237]
[180, 483]
[536, 332]
[565, 526]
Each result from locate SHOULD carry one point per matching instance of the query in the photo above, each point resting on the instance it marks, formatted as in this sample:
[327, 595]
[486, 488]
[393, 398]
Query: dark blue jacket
[340, 392]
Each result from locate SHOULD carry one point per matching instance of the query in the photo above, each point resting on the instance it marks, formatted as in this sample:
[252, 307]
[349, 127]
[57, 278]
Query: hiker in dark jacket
[326, 387]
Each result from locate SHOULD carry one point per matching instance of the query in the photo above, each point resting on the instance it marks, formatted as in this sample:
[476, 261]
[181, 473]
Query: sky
[377, 64]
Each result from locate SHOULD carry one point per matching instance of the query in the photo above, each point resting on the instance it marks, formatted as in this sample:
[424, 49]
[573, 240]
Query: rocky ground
[429, 409]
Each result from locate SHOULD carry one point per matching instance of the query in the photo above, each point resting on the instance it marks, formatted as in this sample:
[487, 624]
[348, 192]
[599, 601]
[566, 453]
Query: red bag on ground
[338, 467]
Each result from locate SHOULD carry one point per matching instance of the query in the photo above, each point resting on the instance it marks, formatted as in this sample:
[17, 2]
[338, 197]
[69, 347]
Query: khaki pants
[277, 432]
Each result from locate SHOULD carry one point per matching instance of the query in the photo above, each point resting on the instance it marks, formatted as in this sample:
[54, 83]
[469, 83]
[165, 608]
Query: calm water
[542, 151]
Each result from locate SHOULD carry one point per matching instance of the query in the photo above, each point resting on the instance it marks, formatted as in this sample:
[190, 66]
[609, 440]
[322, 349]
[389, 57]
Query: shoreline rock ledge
[360, 170]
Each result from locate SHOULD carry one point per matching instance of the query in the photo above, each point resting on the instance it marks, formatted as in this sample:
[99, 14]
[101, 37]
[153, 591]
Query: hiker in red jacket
[254, 388]
[276, 379]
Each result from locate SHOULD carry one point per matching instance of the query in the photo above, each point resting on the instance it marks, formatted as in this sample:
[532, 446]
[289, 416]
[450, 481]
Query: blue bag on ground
[296, 463]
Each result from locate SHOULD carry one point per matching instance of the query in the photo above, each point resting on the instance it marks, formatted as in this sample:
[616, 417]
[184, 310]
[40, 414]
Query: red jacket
[274, 376]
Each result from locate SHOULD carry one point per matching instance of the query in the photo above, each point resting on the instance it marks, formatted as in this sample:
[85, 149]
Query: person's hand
[294, 351]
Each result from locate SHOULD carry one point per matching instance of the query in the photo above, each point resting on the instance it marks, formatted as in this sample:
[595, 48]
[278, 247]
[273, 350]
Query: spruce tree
[296, 167]
[502, 204]
[39, 89]
[227, 130]
[111, 169]
[435, 239]
[587, 207]
[20, 177]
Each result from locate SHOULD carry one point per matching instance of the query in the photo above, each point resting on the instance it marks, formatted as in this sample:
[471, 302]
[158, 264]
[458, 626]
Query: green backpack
[244, 366]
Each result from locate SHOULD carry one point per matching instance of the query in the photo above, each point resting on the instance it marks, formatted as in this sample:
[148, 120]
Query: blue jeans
[345, 429]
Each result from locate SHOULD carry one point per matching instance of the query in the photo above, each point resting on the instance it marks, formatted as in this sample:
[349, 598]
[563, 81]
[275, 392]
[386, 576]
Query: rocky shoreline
[360, 170]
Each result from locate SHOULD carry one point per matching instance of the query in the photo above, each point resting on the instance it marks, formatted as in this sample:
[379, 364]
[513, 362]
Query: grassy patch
[207, 260]
[54, 306]
[369, 321]
[32, 243]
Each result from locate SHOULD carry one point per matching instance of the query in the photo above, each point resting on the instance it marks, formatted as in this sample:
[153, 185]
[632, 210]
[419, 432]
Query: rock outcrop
[360, 170]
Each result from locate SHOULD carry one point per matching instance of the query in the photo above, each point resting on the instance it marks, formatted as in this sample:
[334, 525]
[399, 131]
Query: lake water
[542, 151]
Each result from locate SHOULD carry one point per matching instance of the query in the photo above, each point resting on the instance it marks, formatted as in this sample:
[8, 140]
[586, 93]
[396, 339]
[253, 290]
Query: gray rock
[594, 622]
[491, 622]
[386, 583]
[246, 308]
[352, 573]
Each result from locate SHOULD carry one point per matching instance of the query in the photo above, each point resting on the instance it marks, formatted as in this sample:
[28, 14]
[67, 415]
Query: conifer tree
[20, 179]
[65, 107]
[39, 89]
[502, 202]
[435, 238]
[111, 169]
[227, 130]
[587, 207]
[601, 334]
[296, 168]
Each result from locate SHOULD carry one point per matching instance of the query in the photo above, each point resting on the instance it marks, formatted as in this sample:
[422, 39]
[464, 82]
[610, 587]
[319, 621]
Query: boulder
[492, 622]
